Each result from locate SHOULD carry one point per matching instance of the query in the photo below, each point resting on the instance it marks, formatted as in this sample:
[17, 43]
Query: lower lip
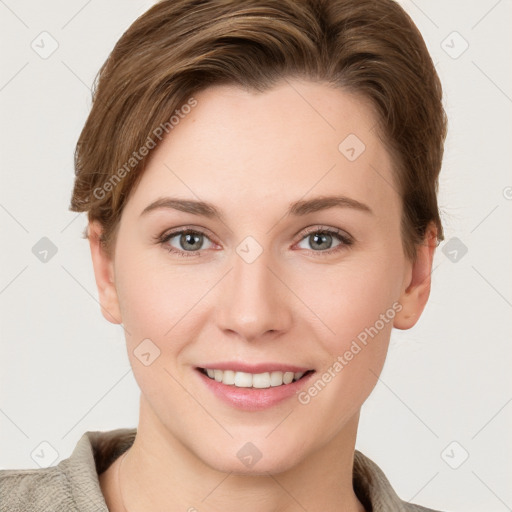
[253, 399]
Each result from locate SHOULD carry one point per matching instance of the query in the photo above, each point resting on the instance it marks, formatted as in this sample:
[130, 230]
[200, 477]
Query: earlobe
[103, 266]
[417, 283]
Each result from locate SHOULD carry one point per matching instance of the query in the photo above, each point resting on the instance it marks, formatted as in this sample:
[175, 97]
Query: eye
[186, 241]
[325, 240]
[319, 240]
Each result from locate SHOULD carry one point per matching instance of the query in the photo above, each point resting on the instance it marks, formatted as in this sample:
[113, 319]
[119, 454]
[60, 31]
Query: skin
[251, 155]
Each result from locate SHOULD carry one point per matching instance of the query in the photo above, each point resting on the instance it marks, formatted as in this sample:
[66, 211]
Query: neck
[160, 473]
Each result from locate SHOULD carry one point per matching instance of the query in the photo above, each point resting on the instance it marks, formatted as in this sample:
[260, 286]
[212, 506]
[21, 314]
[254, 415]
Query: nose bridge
[252, 303]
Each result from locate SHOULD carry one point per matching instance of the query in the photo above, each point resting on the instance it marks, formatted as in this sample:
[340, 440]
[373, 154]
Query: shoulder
[374, 490]
[411, 507]
[70, 486]
[26, 490]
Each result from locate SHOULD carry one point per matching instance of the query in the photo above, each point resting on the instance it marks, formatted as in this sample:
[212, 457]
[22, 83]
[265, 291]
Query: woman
[260, 178]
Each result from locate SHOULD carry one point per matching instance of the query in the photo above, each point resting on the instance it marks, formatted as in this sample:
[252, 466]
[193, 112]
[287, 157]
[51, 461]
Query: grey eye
[320, 241]
[188, 241]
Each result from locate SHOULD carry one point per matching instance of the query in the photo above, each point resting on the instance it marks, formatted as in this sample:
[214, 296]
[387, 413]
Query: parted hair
[179, 47]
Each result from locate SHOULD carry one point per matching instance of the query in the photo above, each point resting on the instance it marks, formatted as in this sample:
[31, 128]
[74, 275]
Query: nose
[252, 302]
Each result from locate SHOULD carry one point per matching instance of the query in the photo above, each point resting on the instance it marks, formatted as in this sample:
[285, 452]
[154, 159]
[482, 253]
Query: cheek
[352, 298]
[154, 305]
[358, 302]
[359, 305]
[158, 299]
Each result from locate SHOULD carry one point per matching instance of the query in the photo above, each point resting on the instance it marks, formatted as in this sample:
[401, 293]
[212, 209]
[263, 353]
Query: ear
[104, 274]
[416, 289]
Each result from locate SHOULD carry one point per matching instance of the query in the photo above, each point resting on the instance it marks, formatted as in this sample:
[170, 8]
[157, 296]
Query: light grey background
[445, 392]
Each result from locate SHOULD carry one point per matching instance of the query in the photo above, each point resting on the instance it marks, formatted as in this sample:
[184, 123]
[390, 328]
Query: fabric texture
[73, 485]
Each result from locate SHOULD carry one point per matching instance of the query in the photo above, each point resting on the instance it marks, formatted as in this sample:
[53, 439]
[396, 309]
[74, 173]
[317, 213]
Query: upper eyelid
[178, 231]
[319, 229]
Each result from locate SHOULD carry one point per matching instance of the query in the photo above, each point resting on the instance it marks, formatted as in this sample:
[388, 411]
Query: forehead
[238, 148]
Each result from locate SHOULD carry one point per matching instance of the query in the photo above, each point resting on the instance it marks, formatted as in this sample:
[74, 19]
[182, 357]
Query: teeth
[228, 377]
[253, 380]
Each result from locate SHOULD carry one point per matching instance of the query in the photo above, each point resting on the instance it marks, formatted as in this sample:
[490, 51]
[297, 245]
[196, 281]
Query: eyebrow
[298, 208]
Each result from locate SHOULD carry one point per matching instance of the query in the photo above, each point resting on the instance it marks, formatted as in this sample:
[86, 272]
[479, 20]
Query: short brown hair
[179, 47]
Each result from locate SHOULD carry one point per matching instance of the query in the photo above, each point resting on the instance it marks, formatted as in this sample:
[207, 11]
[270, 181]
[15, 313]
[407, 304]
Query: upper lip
[238, 366]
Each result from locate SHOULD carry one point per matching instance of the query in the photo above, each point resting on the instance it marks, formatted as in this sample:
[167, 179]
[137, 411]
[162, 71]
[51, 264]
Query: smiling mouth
[253, 380]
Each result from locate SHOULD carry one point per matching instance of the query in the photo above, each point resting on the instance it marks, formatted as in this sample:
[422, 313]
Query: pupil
[322, 239]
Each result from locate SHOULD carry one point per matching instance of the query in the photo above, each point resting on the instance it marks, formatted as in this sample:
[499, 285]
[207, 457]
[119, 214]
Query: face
[294, 264]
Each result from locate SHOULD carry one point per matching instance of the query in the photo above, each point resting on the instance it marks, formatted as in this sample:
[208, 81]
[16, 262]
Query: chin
[246, 459]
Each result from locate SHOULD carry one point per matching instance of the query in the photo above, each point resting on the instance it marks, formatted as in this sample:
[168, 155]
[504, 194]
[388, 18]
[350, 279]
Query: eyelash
[345, 240]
